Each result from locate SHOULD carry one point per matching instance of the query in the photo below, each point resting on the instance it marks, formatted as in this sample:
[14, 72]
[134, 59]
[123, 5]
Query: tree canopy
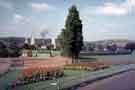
[130, 46]
[71, 36]
[11, 50]
[3, 49]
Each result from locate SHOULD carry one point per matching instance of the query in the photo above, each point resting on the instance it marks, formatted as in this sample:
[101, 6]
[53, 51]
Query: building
[103, 44]
[21, 40]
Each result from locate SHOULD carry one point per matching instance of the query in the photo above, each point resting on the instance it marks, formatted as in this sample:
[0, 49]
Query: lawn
[6, 80]
[70, 78]
[45, 53]
[87, 58]
[46, 85]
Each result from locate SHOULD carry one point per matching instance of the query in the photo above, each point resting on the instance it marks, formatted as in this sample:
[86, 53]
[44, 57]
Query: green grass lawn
[70, 78]
[46, 85]
[46, 53]
[87, 58]
[6, 80]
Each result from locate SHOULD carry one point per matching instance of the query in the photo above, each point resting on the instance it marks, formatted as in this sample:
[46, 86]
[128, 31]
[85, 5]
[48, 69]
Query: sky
[102, 19]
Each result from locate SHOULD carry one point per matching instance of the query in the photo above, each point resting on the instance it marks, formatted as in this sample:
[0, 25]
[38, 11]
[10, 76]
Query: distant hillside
[119, 42]
[21, 40]
[113, 40]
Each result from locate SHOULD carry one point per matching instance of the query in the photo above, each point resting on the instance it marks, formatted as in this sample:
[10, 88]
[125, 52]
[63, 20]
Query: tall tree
[3, 49]
[14, 50]
[130, 46]
[71, 35]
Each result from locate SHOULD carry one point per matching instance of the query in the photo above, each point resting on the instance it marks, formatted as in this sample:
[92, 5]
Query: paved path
[125, 81]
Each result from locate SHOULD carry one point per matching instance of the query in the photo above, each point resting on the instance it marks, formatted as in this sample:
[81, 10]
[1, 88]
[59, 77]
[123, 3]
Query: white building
[54, 43]
[32, 40]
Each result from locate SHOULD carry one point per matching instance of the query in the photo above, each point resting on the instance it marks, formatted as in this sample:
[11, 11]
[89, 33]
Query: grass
[46, 53]
[46, 85]
[6, 79]
[87, 58]
[71, 77]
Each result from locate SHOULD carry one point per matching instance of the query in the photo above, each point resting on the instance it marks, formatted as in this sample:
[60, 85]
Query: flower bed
[90, 66]
[36, 74]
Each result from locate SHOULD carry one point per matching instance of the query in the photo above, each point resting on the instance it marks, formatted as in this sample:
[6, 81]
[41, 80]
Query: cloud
[40, 7]
[18, 18]
[21, 19]
[111, 8]
[25, 26]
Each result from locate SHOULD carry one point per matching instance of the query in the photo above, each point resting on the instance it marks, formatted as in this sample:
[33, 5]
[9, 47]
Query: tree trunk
[50, 53]
[73, 59]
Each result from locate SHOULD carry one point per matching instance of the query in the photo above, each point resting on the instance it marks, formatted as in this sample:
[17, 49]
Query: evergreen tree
[3, 49]
[14, 50]
[71, 37]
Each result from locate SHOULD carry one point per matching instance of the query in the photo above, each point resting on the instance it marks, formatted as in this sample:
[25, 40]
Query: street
[124, 81]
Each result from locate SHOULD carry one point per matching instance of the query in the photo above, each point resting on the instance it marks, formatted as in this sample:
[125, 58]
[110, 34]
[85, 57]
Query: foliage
[130, 46]
[25, 46]
[71, 37]
[69, 77]
[90, 66]
[14, 50]
[112, 47]
[9, 50]
[91, 47]
[3, 50]
[50, 47]
[36, 74]
[29, 47]
[7, 79]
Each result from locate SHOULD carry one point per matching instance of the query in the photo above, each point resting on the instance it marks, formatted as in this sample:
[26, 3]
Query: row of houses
[21, 40]
[106, 45]
[88, 45]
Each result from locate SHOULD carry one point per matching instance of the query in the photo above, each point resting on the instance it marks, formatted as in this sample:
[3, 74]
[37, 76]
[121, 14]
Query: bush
[36, 74]
[14, 50]
[3, 50]
[130, 46]
[91, 66]
[9, 50]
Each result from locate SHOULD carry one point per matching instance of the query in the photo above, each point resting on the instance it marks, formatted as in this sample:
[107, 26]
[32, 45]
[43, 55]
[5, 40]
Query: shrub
[91, 66]
[35, 74]
[3, 49]
[9, 50]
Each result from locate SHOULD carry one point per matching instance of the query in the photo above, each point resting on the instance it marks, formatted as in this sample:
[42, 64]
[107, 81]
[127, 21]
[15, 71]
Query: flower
[31, 74]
